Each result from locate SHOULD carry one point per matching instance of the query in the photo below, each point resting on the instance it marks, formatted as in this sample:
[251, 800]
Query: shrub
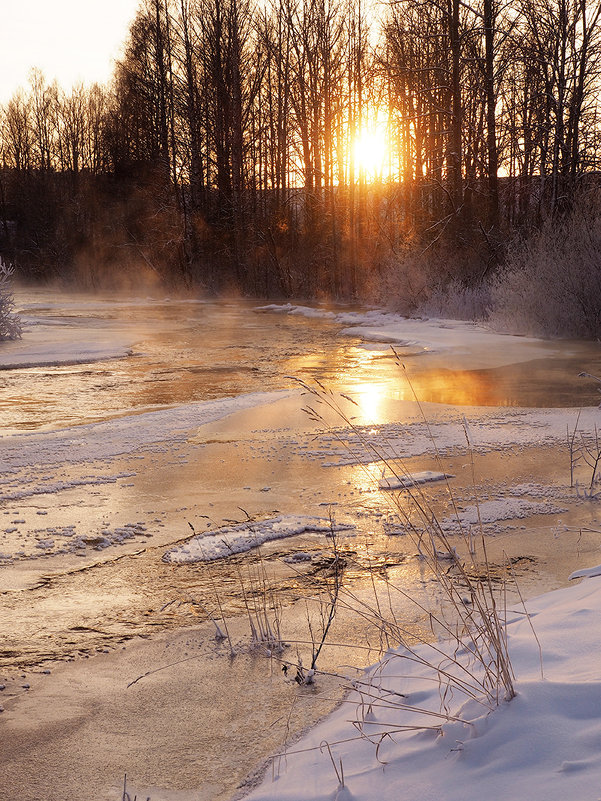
[551, 283]
[458, 301]
[10, 325]
[445, 280]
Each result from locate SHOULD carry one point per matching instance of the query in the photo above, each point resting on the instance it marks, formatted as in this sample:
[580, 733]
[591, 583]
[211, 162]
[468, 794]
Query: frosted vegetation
[10, 325]
[549, 284]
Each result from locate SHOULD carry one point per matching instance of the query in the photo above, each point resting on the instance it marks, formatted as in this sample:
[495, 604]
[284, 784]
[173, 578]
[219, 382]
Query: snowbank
[51, 340]
[541, 746]
[474, 341]
[66, 329]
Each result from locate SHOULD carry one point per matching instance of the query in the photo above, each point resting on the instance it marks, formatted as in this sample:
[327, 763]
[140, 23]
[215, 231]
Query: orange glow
[371, 152]
[369, 398]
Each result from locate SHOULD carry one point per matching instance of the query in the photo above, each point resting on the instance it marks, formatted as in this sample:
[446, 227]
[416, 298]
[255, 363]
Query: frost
[228, 540]
[10, 324]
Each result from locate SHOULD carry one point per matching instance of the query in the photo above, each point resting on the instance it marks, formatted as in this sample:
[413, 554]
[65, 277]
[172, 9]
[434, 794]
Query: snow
[508, 508]
[25, 353]
[47, 466]
[411, 479]
[543, 745]
[239, 538]
[60, 329]
[46, 342]
[585, 572]
[148, 432]
[413, 336]
[491, 429]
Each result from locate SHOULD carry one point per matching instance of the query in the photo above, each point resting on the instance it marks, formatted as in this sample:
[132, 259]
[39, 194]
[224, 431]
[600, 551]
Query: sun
[370, 152]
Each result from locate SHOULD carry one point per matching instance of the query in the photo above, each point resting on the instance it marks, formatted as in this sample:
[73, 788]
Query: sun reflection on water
[369, 399]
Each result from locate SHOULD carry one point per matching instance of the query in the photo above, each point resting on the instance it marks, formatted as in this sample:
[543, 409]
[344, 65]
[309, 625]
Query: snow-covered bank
[41, 353]
[542, 746]
[68, 329]
[47, 341]
[481, 346]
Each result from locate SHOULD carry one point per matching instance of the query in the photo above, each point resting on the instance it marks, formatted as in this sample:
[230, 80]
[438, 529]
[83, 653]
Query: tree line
[224, 152]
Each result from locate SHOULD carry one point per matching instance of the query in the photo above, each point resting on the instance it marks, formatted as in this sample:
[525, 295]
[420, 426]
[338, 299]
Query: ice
[229, 540]
[409, 480]
[426, 335]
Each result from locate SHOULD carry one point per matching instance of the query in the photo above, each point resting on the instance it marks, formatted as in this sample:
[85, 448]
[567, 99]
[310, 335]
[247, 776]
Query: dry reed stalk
[477, 627]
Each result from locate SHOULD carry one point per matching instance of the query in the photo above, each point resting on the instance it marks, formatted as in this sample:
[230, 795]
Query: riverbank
[399, 735]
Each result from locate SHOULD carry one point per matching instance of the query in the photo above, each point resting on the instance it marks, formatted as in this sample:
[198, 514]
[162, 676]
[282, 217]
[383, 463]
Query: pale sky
[70, 40]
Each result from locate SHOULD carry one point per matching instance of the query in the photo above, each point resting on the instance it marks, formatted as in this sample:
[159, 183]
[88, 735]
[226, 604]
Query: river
[128, 421]
[187, 350]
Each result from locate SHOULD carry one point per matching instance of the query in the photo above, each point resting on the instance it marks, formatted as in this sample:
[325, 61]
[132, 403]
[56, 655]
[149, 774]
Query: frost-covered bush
[402, 283]
[442, 281]
[10, 325]
[551, 283]
[458, 301]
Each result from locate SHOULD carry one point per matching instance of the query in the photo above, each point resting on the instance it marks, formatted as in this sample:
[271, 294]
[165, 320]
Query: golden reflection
[369, 399]
[371, 376]
[458, 387]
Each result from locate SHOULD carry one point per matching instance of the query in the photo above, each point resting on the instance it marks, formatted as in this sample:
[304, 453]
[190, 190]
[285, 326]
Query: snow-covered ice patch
[510, 508]
[586, 572]
[298, 557]
[490, 430]
[61, 540]
[411, 479]
[151, 431]
[53, 487]
[423, 335]
[241, 537]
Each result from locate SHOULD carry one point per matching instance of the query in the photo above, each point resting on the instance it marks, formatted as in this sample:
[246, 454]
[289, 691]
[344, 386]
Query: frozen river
[125, 422]
[84, 359]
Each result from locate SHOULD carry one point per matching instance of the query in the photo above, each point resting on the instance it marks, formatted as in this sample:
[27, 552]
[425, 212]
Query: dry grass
[471, 617]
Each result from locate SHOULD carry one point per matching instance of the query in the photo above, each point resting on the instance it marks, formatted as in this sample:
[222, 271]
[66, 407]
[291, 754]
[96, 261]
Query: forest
[424, 152]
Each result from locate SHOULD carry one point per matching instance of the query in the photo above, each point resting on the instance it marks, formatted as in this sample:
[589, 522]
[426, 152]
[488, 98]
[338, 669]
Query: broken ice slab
[411, 479]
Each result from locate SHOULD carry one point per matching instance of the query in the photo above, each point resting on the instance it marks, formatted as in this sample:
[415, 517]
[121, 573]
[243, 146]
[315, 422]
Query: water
[178, 352]
[183, 351]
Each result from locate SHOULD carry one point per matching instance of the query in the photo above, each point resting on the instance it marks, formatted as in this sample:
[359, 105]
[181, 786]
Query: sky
[70, 40]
